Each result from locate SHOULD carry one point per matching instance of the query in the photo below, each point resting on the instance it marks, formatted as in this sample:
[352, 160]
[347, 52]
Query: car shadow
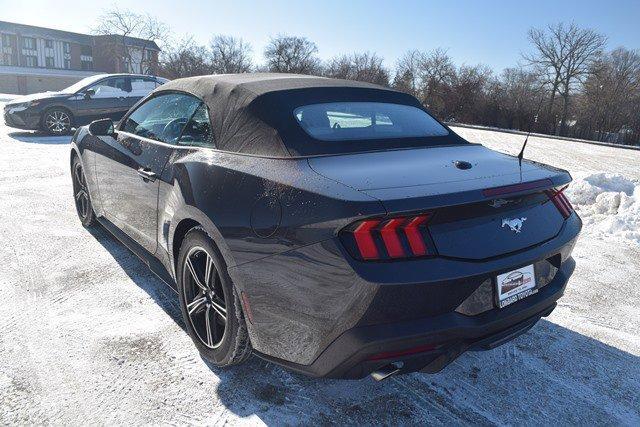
[36, 137]
[550, 374]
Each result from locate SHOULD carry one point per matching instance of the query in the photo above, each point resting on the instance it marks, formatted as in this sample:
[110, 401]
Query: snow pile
[608, 203]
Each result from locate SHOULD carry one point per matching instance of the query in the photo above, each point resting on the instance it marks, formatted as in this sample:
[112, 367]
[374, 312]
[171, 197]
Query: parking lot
[89, 335]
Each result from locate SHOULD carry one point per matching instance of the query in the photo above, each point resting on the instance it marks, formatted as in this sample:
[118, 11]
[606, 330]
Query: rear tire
[84, 208]
[209, 302]
[57, 121]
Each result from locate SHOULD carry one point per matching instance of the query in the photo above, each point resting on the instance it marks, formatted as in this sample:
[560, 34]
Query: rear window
[345, 121]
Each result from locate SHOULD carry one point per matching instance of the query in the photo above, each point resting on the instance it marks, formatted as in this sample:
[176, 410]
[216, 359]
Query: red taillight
[560, 200]
[414, 236]
[399, 237]
[391, 239]
[364, 239]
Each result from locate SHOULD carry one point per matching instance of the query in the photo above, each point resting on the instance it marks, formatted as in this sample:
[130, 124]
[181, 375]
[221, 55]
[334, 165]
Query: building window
[49, 62]
[86, 62]
[28, 43]
[30, 61]
[6, 40]
[48, 44]
[66, 60]
[86, 50]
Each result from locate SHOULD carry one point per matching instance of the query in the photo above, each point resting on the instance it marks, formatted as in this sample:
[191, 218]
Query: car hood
[408, 179]
[38, 96]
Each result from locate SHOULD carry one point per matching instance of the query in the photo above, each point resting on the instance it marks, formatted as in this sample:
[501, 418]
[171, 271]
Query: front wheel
[209, 302]
[81, 194]
[56, 121]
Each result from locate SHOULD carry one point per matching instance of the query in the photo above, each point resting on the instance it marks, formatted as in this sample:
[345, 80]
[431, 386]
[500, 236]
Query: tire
[81, 197]
[222, 342]
[57, 121]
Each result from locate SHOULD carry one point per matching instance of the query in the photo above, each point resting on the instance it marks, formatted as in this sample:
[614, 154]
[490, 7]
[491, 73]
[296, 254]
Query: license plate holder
[515, 285]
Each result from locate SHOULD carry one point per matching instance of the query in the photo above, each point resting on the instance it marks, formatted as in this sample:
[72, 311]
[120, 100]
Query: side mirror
[89, 93]
[102, 127]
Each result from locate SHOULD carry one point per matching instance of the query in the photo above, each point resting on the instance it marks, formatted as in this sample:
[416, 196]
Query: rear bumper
[451, 334]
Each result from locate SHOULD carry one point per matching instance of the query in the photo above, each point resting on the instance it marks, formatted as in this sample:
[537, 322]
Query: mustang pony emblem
[514, 224]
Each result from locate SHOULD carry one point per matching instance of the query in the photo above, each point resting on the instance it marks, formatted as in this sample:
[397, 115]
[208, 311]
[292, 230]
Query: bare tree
[611, 95]
[291, 54]
[519, 96]
[185, 59]
[364, 67]
[120, 27]
[408, 72]
[563, 56]
[465, 97]
[437, 76]
[230, 55]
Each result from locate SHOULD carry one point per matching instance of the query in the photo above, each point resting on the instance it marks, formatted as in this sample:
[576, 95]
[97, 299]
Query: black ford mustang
[330, 226]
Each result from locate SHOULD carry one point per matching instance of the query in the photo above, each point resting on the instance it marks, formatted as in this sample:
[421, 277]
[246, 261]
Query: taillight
[391, 238]
[560, 200]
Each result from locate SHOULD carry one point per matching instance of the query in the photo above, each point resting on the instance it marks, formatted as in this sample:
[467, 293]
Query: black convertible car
[330, 226]
[95, 97]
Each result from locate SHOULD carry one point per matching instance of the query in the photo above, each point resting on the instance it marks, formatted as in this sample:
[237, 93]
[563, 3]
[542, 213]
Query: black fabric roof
[252, 113]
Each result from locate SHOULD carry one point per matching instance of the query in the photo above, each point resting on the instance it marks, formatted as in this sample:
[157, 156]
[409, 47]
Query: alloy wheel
[57, 121]
[81, 194]
[204, 297]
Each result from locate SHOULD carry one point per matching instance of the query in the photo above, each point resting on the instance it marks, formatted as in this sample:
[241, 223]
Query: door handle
[147, 175]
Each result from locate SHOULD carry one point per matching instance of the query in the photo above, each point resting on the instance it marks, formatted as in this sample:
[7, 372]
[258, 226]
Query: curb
[542, 135]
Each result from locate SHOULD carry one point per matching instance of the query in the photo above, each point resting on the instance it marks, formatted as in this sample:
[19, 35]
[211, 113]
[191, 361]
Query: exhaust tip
[386, 371]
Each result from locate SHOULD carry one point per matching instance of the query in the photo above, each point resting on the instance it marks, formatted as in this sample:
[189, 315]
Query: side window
[162, 117]
[198, 130]
[141, 87]
[111, 88]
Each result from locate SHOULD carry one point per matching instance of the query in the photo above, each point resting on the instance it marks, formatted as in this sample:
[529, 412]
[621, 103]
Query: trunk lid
[468, 221]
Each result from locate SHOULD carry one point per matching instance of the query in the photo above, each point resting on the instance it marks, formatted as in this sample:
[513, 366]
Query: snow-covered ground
[89, 335]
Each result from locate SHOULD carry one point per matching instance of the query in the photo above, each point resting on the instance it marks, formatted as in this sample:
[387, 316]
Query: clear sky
[488, 32]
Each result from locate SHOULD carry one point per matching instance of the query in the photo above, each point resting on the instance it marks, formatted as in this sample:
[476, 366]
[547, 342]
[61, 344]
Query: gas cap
[461, 164]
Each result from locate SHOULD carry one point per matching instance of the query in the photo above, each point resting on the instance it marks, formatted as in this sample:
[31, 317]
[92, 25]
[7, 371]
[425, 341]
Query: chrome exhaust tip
[386, 371]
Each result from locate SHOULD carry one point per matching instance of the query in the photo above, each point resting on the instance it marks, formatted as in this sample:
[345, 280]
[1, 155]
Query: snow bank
[608, 203]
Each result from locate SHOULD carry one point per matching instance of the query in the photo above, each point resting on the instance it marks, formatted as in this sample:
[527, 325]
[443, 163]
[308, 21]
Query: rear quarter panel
[274, 221]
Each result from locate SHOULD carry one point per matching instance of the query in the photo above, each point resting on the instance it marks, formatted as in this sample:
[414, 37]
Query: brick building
[36, 59]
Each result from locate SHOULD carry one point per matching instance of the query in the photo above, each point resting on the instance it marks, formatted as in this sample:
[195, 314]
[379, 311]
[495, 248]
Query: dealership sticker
[515, 285]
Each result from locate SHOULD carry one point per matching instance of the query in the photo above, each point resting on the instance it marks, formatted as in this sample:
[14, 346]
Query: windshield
[345, 121]
[83, 83]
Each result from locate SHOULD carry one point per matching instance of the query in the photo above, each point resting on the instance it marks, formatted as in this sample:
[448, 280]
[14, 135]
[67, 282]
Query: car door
[140, 87]
[129, 169]
[106, 99]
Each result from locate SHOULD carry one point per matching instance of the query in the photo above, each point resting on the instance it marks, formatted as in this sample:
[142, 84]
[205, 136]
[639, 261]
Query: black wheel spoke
[196, 304]
[194, 275]
[220, 311]
[204, 297]
[83, 204]
[207, 320]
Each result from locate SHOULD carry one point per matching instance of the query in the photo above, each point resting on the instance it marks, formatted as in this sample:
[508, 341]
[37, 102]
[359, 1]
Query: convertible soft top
[252, 113]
